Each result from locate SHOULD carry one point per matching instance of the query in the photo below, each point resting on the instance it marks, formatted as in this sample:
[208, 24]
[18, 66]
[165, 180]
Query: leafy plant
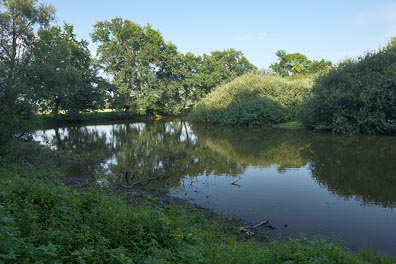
[358, 96]
[294, 64]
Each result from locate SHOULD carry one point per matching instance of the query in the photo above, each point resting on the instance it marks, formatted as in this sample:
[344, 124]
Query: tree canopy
[62, 73]
[292, 64]
[152, 76]
[45, 68]
[18, 21]
[135, 56]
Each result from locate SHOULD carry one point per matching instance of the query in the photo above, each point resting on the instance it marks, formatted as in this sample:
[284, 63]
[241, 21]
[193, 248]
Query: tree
[220, 67]
[193, 77]
[149, 73]
[62, 73]
[165, 90]
[137, 58]
[18, 19]
[190, 66]
[293, 64]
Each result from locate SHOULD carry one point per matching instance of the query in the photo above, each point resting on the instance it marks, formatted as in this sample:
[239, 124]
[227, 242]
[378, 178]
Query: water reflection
[256, 147]
[88, 142]
[341, 187]
[359, 167]
[166, 152]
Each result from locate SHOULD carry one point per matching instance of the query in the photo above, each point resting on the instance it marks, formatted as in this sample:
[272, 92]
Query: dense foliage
[151, 76]
[45, 68]
[18, 20]
[43, 221]
[292, 64]
[62, 74]
[253, 100]
[358, 96]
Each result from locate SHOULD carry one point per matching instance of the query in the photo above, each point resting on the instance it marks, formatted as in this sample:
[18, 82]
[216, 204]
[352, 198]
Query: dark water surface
[302, 182]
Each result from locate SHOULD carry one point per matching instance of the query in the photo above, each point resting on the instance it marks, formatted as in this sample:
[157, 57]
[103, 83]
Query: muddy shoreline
[140, 195]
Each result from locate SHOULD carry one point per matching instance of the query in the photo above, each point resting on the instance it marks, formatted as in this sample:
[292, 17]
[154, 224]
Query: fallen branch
[249, 229]
[260, 224]
[140, 182]
[235, 182]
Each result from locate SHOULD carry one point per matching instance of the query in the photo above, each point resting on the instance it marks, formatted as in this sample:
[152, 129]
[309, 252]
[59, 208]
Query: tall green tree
[199, 75]
[18, 20]
[164, 92]
[292, 64]
[222, 66]
[190, 67]
[62, 73]
[136, 57]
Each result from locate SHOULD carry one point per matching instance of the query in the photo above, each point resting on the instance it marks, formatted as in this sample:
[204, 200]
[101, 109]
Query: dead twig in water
[249, 229]
[235, 182]
[141, 182]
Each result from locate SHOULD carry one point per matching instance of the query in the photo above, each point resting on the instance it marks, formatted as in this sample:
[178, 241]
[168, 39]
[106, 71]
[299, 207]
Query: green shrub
[358, 96]
[253, 99]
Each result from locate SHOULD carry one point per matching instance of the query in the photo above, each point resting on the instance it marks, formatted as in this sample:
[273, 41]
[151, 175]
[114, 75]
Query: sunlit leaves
[292, 64]
[358, 96]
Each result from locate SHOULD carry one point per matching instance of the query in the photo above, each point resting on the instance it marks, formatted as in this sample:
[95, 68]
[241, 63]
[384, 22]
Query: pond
[341, 187]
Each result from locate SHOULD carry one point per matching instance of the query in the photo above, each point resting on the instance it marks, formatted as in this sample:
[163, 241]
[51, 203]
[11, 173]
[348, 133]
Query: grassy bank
[45, 221]
[48, 120]
[100, 116]
[290, 125]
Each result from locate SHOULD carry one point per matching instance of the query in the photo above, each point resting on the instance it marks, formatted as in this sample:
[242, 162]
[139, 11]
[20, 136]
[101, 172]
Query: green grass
[44, 221]
[107, 115]
[290, 125]
[104, 115]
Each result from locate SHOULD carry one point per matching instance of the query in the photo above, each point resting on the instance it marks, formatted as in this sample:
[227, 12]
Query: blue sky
[328, 29]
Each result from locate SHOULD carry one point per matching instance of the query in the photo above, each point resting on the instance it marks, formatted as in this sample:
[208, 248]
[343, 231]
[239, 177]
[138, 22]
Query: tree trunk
[127, 107]
[55, 111]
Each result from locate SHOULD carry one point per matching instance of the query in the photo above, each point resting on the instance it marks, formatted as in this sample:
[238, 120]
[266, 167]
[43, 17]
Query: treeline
[356, 96]
[45, 68]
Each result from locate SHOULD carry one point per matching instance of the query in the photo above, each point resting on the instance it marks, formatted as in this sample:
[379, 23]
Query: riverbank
[45, 220]
[49, 120]
[100, 117]
[290, 125]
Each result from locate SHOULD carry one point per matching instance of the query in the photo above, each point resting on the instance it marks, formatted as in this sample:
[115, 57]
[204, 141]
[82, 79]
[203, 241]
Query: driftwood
[141, 182]
[249, 229]
[130, 176]
[235, 182]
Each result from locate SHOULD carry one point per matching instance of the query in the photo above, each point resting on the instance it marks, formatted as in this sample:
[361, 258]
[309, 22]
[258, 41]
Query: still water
[343, 188]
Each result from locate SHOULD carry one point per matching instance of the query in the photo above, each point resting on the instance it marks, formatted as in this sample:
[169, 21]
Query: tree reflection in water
[358, 167]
